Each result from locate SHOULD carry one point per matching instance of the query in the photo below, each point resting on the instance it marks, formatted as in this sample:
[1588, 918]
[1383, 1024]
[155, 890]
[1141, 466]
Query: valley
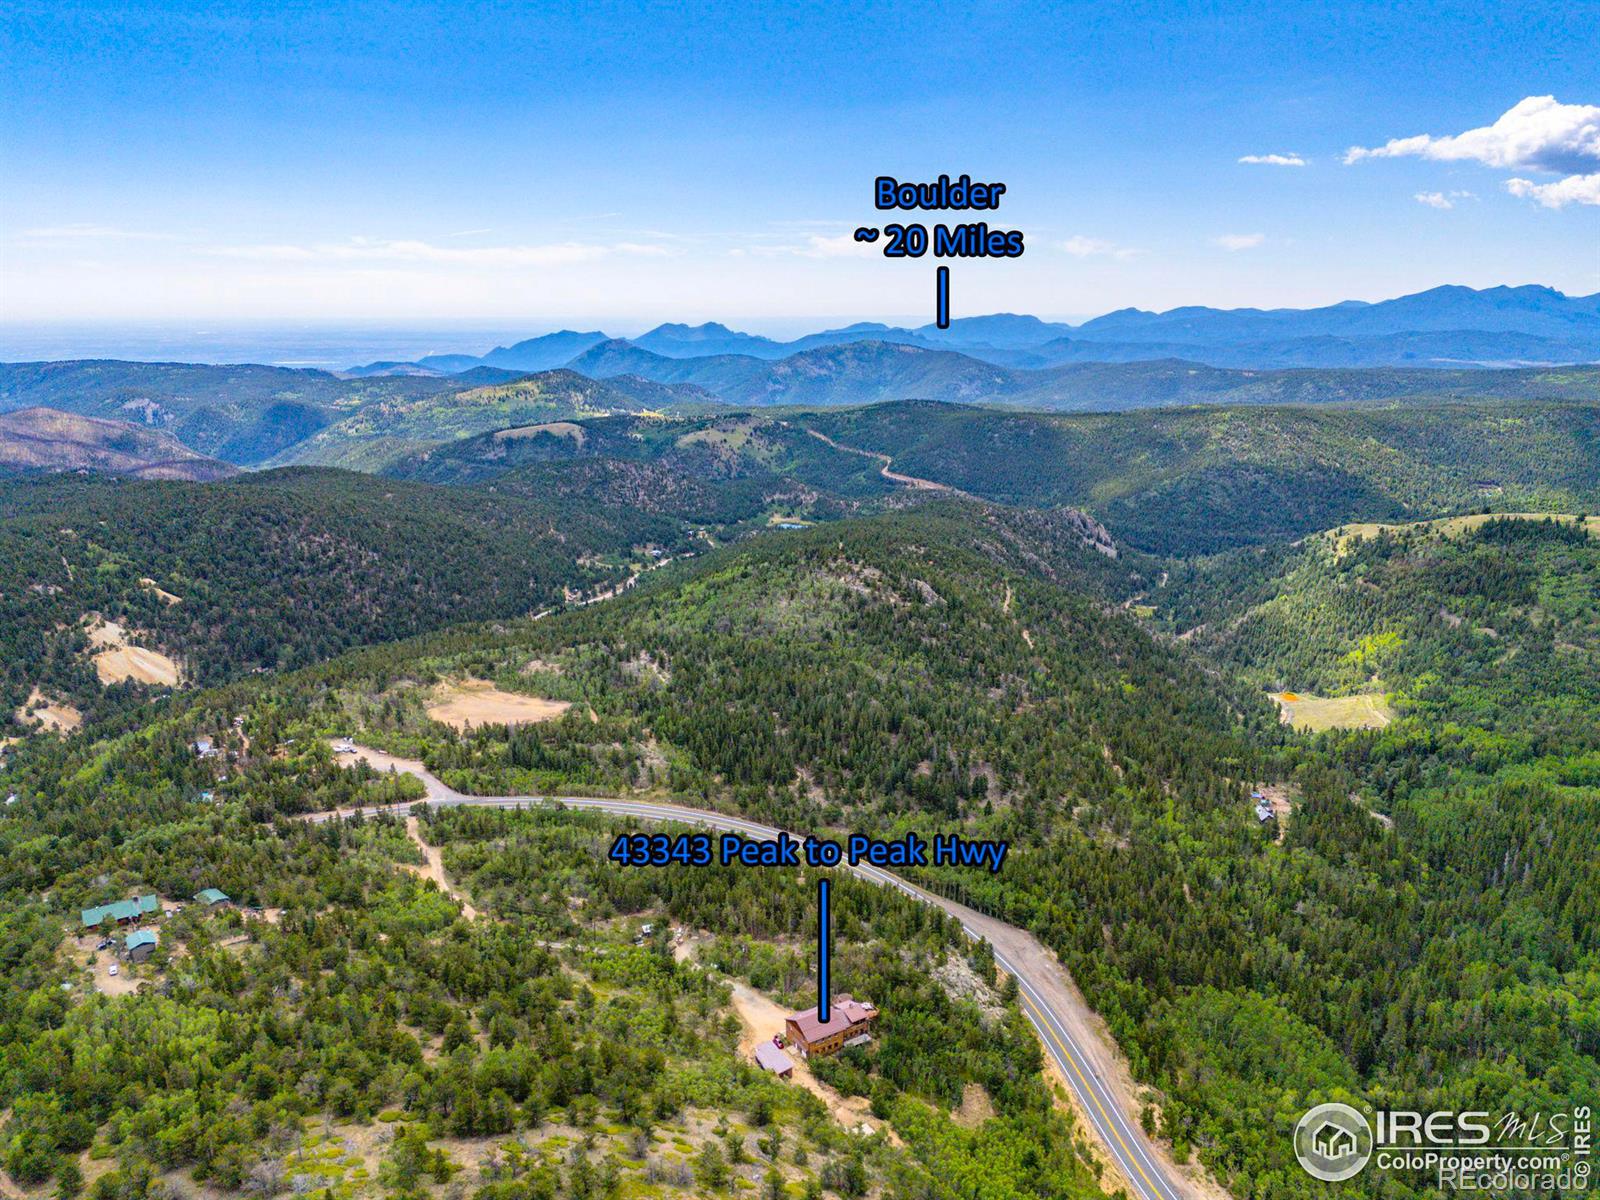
[799, 602]
[1282, 711]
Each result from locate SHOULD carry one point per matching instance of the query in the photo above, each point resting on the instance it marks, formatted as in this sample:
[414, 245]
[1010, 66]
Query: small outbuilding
[211, 897]
[141, 944]
[770, 1058]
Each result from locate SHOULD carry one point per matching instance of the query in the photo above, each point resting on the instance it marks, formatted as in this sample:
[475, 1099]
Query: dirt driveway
[762, 1017]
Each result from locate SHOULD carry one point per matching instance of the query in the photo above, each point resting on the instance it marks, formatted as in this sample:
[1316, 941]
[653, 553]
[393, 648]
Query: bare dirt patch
[165, 597]
[976, 1107]
[119, 661]
[81, 949]
[470, 702]
[434, 869]
[52, 716]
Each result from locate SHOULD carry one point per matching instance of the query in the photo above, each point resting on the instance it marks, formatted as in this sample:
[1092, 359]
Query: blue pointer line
[824, 948]
[941, 297]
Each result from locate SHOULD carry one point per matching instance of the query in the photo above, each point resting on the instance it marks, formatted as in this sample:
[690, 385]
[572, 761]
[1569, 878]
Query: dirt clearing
[762, 1017]
[155, 589]
[434, 870]
[52, 716]
[976, 1107]
[472, 702]
[82, 949]
[118, 661]
[1307, 712]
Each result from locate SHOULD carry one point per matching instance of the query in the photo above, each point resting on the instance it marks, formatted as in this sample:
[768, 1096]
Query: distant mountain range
[1445, 327]
[1430, 347]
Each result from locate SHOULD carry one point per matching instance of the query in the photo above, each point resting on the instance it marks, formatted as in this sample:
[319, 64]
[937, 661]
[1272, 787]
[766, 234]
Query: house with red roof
[849, 1023]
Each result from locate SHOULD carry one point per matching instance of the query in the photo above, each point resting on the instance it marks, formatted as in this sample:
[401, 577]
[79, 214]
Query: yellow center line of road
[1086, 1091]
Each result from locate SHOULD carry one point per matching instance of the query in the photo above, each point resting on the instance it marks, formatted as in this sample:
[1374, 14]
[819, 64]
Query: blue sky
[603, 164]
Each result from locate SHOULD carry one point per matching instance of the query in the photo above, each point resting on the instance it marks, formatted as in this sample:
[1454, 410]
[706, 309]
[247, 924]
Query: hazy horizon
[335, 344]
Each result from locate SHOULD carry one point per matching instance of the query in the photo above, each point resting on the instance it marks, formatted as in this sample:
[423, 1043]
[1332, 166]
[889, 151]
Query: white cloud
[390, 250]
[1239, 241]
[1537, 134]
[1442, 200]
[1574, 189]
[1080, 246]
[1274, 160]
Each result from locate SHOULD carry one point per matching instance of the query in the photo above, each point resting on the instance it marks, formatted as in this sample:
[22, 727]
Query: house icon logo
[1333, 1142]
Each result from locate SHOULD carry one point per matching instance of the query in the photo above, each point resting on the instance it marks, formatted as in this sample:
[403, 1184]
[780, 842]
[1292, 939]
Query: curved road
[1073, 1037]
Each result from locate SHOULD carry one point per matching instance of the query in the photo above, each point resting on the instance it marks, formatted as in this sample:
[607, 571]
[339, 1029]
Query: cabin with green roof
[212, 896]
[122, 911]
[141, 944]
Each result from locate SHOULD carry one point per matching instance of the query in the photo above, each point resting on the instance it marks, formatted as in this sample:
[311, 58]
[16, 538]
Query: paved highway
[1071, 1035]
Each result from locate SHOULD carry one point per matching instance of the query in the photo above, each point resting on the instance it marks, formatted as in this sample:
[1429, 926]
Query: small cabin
[141, 944]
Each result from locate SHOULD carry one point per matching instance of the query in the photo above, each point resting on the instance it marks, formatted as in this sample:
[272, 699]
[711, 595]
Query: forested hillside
[1199, 480]
[42, 439]
[276, 570]
[242, 414]
[1418, 922]
[352, 1028]
[252, 415]
[1484, 632]
[356, 1024]
[1175, 482]
[379, 434]
[947, 668]
[753, 451]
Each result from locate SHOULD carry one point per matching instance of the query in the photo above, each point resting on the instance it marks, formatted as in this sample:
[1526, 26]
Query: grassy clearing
[564, 429]
[1345, 535]
[1307, 712]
